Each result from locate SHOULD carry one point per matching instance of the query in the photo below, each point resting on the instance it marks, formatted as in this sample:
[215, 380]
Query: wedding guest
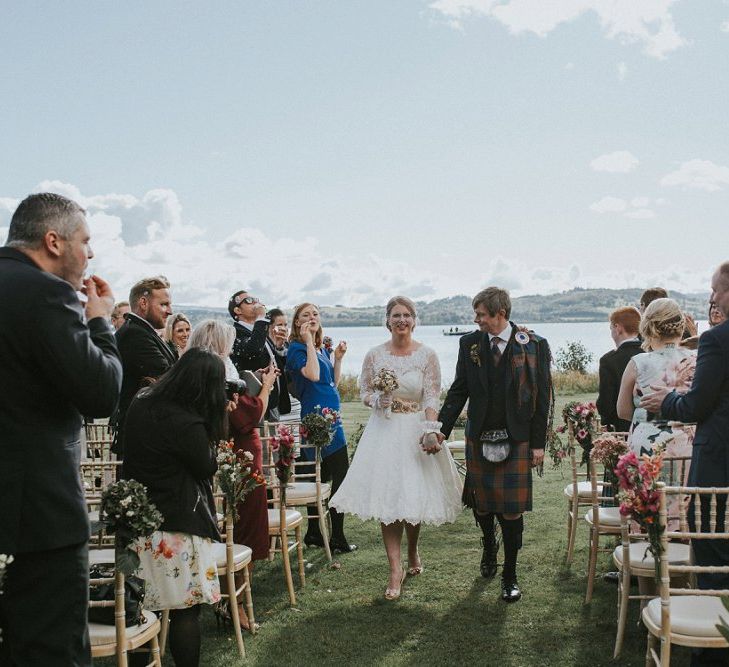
[117, 315]
[716, 316]
[663, 362]
[145, 356]
[707, 402]
[624, 323]
[177, 332]
[170, 437]
[392, 477]
[315, 380]
[279, 338]
[504, 374]
[58, 360]
[650, 295]
[252, 350]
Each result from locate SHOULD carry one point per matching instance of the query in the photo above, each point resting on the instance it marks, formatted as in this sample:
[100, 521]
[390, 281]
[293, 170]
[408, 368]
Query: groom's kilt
[504, 488]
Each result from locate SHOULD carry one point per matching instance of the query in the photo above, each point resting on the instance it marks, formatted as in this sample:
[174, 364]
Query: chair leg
[652, 646]
[573, 531]
[300, 554]
[234, 615]
[155, 650]
[623, 601]
[594, 547]
[665, 651]
[249, 599]
[324, 529]
[287, 566]
[164, 631]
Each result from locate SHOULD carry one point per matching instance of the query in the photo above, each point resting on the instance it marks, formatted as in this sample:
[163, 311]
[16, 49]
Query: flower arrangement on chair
[127, 512]
[583, 418]
[318, 427]
[639, 497]
[284, 445]
[235, 476]
[607, 449]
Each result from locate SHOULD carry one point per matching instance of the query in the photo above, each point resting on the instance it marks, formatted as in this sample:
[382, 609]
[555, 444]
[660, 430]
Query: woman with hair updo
[400, 475]
[664, 363]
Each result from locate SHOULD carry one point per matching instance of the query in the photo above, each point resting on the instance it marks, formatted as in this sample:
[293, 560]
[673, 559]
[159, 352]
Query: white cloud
[699, 175]
[641, 214]
[609, 205]
[640, 202]
[622, 71]
[725, 26]
[617, 162]
[649, 23]
[569, 66]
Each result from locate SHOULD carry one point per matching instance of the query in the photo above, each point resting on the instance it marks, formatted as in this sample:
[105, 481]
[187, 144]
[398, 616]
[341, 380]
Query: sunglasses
[250, 300]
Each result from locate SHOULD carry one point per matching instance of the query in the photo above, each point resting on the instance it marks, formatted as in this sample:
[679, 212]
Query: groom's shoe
[488, 558]
[510, 590]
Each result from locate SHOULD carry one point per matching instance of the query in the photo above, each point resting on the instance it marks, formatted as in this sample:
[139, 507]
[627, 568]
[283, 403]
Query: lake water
[595, 336]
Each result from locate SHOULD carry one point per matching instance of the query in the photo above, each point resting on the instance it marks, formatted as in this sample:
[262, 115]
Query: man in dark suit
[707, 403]
[253, 350]
[504, 374]
[57, 362]
[145, 356]
[624, 323]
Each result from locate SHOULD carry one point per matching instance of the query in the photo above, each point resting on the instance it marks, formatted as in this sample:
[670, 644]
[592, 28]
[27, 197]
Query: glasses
[250, 300]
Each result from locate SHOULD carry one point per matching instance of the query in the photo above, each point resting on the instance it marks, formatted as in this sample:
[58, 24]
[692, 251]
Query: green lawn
[447, 616]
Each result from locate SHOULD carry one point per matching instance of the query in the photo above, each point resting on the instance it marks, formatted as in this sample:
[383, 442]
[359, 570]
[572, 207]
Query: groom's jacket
[528, 387]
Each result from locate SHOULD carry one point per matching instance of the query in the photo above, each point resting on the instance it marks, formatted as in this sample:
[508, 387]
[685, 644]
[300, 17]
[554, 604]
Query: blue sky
[345, 151]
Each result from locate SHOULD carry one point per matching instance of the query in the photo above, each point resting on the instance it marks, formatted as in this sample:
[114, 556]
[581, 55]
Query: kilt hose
[501, 488]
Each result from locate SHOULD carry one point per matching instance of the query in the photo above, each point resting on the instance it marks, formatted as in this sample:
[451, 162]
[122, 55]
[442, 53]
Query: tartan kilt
[503, 488]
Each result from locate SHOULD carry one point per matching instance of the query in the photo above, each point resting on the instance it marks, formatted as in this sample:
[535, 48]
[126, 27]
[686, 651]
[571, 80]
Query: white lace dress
[391, 478]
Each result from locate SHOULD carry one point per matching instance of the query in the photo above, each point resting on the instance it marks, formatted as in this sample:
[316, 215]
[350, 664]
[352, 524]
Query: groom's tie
[495, 351]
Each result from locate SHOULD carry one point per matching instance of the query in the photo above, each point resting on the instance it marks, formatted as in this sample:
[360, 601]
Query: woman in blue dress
[315, 380]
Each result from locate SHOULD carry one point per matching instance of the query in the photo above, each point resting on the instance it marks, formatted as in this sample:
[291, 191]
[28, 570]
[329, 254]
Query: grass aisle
[447, 616]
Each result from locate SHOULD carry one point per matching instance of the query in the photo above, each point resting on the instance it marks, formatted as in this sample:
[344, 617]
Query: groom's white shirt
[505, 335]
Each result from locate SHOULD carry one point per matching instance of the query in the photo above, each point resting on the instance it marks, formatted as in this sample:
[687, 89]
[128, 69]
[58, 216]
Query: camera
[234, 387]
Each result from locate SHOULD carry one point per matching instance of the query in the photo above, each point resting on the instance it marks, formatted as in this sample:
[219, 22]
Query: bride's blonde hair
[662, 320]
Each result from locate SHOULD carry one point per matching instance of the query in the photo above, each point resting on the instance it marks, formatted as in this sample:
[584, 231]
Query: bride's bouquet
[385, 382]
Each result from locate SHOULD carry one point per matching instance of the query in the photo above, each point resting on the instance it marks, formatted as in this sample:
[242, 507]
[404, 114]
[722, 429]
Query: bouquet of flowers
[607, 449]
[583, 418]
[126, 511]
[235, 476]
[385, 382]
[638, 495]
[5, 560]
[283, 444]
[318, 427]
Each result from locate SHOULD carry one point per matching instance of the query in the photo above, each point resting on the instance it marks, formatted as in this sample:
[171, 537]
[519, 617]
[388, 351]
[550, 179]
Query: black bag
[133, 599]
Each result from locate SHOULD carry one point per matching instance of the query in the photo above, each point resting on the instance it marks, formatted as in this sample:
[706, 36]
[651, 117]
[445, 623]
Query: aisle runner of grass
[447, 616]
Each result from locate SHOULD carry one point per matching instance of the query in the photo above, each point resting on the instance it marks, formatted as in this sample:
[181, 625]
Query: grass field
[447, 616]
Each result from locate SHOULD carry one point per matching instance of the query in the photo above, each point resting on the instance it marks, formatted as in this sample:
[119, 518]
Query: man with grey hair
[707, 403]
[58, 360]
[503, 371]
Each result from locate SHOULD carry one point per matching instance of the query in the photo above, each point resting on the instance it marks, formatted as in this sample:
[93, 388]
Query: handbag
[495, 445]
[133, 599]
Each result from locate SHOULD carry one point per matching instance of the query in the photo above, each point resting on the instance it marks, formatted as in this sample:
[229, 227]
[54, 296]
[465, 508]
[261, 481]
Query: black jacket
[54, 367]
[707, 402]
[167, 449]
[471, 384]
[612, 366]
[144, 355]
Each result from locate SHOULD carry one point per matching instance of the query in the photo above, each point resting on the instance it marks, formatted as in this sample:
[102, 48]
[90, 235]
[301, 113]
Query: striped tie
[495, 351]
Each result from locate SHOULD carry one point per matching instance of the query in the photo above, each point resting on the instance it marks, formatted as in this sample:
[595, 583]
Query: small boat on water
[455, 331]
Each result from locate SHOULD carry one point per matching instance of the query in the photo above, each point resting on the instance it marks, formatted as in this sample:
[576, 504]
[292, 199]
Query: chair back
[119, 612]
[98, 442]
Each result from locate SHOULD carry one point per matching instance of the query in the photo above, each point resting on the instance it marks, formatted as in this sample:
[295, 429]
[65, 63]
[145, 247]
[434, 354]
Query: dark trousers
[333, 469]
[44, 607]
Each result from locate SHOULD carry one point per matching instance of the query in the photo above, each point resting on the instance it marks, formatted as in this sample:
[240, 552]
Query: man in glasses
[252, 350]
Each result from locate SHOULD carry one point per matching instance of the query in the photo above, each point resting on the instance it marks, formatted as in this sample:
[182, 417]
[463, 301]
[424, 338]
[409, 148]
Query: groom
[503, 372]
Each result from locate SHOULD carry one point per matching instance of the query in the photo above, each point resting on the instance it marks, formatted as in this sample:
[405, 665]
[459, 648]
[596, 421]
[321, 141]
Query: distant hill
[575, 305]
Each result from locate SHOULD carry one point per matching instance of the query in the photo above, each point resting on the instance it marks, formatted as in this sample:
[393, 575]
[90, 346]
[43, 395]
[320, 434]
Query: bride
[399, 473]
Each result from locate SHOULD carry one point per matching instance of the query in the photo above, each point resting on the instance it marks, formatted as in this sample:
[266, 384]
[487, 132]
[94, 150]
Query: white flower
[248, 456]
[124, 502]
[130, 513]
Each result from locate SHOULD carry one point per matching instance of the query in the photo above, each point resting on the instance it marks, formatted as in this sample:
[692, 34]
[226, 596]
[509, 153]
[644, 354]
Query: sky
[344, 152]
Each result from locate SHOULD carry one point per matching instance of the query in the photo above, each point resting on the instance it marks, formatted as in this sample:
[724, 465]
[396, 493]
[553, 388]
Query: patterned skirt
[178, 569]
[504, 488]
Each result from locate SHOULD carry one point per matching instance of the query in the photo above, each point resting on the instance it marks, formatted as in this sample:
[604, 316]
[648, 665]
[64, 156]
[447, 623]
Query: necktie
[495, 351]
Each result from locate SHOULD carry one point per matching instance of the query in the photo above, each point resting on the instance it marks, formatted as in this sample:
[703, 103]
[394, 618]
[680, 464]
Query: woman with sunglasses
[315, 379]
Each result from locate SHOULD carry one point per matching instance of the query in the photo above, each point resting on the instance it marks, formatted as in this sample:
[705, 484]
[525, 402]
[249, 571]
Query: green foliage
[722, 626]
[573, 357]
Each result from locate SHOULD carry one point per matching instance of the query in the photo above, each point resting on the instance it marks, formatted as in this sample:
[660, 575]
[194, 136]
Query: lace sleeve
[431, 382]
[366, 391]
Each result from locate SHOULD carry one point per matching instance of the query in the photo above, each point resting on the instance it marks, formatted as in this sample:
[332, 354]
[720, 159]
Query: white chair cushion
[241, 554]
[101, 634]
[608, 516]
[456, 446]
[584, 489]
[302, 490]
[691, 615]
[678, 554]
[101, 556]
[292, 517]
[94, 515]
